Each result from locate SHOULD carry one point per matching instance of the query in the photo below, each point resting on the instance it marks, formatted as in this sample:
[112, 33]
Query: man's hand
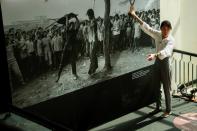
[132, 14]
[132, 10]
[151, 57]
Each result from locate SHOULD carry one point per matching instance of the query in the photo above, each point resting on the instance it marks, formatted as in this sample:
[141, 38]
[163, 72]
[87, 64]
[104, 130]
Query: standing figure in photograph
[39, 54]
[93, 42]
[71, 45]
[57, 46]
[116, 33]
[123, 43]
[31, 56]
[137, 35]
[23, 56]
[47, 50]
[14, 70]
[152, 24]
[129, 35]
[80, 40]
[86, 39]
[100, 33]
[164, 48]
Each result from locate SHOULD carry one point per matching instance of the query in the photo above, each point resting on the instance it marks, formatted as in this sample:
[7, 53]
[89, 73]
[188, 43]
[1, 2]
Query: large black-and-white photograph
[58, 46]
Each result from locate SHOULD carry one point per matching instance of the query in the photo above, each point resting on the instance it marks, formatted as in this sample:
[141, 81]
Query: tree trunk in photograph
[106, 44]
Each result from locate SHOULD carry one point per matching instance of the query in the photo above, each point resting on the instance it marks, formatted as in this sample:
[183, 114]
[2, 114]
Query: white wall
[189, 30]
[170, 10]
[189, 25]
[182, 15]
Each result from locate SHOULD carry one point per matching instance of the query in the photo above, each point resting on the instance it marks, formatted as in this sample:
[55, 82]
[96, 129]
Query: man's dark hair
[116, 16]
[90, 12]
[166, 23]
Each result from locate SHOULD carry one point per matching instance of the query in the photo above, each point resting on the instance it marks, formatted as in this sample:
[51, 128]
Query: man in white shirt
[164, 49]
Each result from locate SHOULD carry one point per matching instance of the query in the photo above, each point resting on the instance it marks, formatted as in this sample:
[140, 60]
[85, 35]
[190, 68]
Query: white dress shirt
[163, 46]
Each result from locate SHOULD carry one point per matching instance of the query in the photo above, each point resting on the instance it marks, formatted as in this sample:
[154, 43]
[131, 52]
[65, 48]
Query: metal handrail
[185, 52]
[182, 85]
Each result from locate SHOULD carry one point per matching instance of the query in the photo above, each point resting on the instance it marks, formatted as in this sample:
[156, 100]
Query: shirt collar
[167, 38]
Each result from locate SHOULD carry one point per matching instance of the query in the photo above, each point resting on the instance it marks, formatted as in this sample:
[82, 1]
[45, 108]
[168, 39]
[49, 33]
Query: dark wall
[5, 90]
[94, 105]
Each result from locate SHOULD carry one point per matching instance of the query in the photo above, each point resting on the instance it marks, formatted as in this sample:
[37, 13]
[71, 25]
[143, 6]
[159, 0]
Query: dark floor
[138, 120]
[16, 121]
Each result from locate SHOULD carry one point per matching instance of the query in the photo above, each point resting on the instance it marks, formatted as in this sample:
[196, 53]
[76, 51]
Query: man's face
[11, 37]
[116, 18]
[90, 17]
[165, 30]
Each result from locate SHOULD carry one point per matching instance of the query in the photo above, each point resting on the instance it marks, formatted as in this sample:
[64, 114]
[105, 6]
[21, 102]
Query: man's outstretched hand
[151, 57]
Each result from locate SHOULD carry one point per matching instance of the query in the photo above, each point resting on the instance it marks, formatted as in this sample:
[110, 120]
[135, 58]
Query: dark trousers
[57, 58]
[31, 65]
[115, 43]
[40, 65]
[162, 74]
[100, 47]
[93, 58]
[69, 55]
[122, 40]
[73, 58]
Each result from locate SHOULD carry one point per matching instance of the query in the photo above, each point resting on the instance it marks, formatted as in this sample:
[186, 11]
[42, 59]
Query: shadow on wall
[175, 28]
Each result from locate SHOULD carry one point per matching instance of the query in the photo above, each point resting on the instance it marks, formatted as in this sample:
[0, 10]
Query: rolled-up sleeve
[167, 51]
[149, 30]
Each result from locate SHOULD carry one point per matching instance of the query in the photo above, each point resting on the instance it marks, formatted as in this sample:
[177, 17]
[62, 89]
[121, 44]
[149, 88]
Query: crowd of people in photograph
[36, 51]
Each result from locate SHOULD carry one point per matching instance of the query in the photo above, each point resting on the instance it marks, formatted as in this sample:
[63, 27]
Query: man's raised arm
[145, 27]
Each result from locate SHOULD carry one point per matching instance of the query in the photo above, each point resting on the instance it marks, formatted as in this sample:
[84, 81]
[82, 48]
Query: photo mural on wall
[56, 47]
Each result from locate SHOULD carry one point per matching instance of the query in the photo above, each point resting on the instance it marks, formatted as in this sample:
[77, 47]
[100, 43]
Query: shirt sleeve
[167, 51]
[149, 30]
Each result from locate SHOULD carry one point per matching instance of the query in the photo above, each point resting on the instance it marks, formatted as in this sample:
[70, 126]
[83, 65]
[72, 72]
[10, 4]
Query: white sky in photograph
[15, 10]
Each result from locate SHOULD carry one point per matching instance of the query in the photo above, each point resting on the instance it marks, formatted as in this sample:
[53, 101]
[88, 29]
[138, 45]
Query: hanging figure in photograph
[93, 39]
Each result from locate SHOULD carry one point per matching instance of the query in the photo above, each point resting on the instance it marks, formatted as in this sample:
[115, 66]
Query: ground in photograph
[44, 87]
